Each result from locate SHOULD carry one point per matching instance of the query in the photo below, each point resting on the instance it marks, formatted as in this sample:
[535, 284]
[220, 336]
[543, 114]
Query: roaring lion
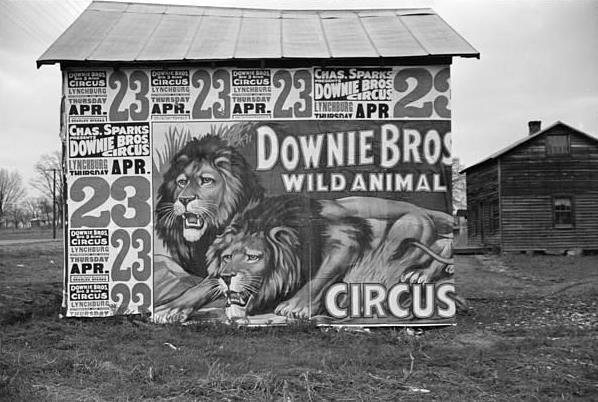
[207, 183]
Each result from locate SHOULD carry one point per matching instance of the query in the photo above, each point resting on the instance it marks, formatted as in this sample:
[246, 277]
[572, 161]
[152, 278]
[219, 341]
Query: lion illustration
[273, 248]
[211, 201]
[281, 254]
[270, 251]
[206, 183]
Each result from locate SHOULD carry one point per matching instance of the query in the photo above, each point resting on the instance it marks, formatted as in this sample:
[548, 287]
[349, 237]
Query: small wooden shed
[538, 194]
[177, 119]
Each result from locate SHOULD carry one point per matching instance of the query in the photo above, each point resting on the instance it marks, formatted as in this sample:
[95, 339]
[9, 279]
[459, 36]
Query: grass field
[30, 233]
[530, 334]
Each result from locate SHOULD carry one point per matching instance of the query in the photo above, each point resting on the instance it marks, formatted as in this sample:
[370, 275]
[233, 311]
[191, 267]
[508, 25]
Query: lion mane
[295, 237]
[238, 185]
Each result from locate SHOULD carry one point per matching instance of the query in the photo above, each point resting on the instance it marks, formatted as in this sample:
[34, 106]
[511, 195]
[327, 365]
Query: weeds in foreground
[44, 357]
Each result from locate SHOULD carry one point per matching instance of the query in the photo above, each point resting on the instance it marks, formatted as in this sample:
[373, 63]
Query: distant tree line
[18, 209]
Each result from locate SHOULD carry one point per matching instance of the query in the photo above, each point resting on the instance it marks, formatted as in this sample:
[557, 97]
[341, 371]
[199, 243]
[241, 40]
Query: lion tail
[428, 250]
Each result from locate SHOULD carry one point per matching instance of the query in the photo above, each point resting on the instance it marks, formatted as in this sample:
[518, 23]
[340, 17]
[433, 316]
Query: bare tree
[12, 190]
[18, 215]
[46, 167]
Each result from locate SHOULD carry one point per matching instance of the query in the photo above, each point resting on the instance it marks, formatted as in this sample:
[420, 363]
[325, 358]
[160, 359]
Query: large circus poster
[260, 196]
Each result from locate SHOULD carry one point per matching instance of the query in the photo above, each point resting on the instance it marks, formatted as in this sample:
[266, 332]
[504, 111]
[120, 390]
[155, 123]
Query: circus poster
[259, 196]
[268, 222]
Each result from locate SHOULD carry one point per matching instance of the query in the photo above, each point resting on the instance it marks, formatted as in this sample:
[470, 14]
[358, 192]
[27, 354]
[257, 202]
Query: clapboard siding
[528, 223]
[526, 180]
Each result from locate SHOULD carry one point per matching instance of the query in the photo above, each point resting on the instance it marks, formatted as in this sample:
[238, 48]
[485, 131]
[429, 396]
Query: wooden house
[538, 194]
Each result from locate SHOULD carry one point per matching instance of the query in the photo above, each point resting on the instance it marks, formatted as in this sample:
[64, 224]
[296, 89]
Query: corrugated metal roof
[129, 32]
[523, 140]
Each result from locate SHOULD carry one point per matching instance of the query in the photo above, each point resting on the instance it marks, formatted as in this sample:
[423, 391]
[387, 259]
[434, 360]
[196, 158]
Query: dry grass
[508, 347]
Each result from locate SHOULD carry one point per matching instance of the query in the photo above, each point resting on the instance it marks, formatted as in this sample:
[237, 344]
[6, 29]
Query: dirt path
[475, 279]
[496, 277]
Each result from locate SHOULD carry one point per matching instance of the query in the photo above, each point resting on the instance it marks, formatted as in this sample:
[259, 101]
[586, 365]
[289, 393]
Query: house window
[562, 208]
[557, 144]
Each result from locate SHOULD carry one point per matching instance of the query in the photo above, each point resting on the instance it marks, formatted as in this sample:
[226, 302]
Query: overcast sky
[539, 61]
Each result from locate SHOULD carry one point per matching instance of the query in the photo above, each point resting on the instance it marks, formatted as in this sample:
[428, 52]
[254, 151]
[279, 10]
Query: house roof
[523, 140]
[137, 32]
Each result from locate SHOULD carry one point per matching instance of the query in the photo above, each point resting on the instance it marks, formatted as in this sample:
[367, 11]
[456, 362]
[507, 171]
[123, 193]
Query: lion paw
[414, 277]
[170, 316]
[296, 307]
